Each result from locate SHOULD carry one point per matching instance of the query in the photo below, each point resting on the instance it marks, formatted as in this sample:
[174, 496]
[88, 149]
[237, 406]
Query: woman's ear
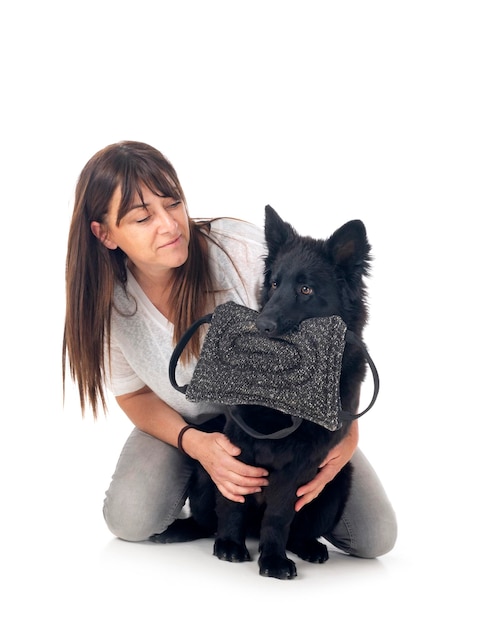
[100, 232]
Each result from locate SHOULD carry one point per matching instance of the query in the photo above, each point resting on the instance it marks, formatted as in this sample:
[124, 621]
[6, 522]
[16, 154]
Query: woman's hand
[214, 451]
[338, 456]
[217, 455]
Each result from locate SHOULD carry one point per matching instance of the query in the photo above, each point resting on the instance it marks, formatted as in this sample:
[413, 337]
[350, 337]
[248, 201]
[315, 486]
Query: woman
[139, 272]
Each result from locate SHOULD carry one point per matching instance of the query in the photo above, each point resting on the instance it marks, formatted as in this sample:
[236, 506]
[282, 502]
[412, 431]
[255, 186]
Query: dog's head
[307, 277]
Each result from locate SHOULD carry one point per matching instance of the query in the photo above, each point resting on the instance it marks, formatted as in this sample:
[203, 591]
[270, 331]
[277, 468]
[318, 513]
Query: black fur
[304, 277]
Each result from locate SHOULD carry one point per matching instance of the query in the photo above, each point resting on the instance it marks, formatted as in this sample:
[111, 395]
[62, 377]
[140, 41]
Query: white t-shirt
[142, 342]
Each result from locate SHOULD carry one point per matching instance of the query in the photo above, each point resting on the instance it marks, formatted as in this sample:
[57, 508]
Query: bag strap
[277, 434]
[179, 348]
[353, 339]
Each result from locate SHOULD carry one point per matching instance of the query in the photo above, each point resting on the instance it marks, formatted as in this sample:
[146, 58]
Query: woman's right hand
[214, 451]
[217, 455]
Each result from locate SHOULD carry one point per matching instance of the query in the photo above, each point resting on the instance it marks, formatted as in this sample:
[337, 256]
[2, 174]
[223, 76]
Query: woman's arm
[330, 467]
[214, 451]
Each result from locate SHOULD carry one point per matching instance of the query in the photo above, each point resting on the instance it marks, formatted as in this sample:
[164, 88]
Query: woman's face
[154, 233]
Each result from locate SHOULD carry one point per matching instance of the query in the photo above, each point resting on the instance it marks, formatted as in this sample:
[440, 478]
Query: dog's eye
[274, 285]
[306, 290]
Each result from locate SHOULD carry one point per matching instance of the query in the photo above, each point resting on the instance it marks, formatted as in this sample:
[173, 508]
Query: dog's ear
[349, 248]
[276, 231]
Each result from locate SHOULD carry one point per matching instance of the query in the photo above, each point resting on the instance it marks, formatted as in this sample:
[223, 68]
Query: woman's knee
[136, 516]
[368, 526]
[370, 538]
[148, 488]
[376, 540]
[128, 526]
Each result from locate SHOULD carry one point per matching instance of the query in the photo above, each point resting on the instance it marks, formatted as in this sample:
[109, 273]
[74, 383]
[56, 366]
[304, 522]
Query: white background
[329, 111]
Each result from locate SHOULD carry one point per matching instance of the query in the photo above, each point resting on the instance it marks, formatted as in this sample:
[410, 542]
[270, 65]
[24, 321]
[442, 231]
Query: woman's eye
[175, 204]
[143, 219]
[306, 290]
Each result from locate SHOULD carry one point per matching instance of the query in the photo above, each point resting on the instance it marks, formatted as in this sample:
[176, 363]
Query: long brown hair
[92, 270]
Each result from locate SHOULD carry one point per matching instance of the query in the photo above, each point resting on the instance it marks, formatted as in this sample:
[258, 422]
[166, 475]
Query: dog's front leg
[275, 529]
[230, 544]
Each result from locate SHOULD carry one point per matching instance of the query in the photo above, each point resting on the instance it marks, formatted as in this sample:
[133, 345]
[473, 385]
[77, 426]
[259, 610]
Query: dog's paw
[228, 550]
[276, 566]
[186, 529]
[310, 550]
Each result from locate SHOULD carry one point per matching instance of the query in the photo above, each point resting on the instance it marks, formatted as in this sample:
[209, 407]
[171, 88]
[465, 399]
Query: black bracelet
[181, 434]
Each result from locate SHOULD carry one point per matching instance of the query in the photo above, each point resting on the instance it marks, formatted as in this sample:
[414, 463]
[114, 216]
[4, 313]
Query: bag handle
[277, 434]
[179, 348]
[353, 339]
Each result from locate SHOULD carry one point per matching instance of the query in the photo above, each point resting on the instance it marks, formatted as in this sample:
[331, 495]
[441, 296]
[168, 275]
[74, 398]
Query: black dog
[304, 278]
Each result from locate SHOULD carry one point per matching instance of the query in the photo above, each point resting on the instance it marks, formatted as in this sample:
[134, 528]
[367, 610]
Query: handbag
[297, 373]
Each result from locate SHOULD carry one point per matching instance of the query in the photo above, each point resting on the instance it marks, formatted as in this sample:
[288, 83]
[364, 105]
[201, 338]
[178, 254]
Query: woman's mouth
[171, 243]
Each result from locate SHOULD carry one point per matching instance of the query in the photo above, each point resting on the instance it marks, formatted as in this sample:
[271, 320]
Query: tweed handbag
[297, 373]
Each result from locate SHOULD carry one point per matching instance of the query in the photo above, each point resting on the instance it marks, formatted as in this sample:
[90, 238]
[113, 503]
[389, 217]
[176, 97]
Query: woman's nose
[165, 222]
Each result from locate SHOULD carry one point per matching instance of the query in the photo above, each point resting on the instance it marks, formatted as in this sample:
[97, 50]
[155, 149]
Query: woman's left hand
[338, 456]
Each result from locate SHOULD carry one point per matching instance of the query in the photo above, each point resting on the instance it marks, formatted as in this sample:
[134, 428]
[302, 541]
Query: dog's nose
[266, 326]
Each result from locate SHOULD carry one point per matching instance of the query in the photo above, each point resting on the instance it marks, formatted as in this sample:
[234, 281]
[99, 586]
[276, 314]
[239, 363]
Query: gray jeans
[149, 488]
